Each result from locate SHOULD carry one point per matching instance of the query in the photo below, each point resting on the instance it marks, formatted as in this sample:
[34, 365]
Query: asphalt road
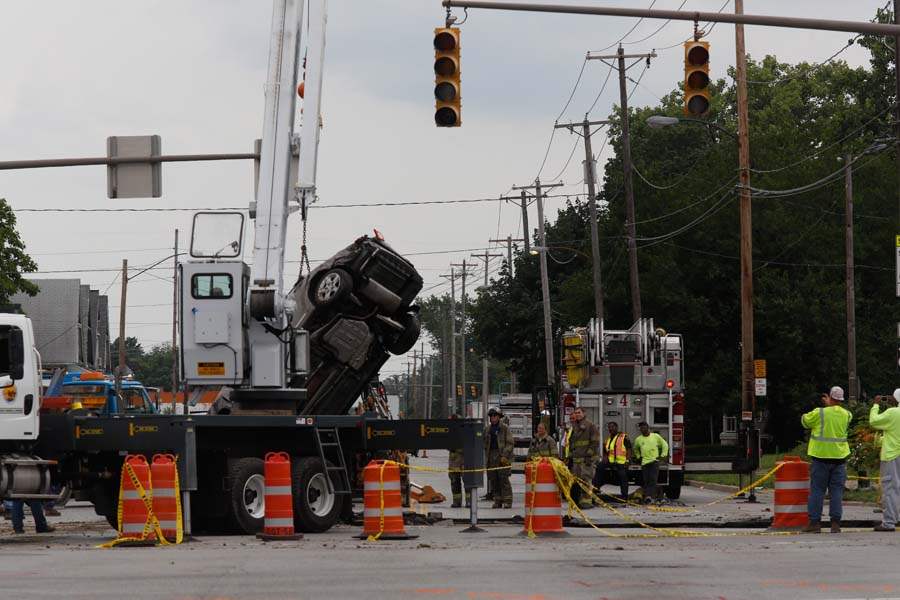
[443, 563]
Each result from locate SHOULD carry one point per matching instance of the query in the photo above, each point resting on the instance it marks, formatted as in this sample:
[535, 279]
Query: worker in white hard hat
[828, 451]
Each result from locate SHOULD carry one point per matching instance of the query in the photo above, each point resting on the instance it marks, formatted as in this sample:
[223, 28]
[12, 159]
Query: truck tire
[316, 509]
[331, 287]
[105, 498]
[246, 496]
[673, 489]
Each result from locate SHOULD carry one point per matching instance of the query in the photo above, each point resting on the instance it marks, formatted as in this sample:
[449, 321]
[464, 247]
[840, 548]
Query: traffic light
[447, 111]
[473, 390]
[459, 392]
[696, 78]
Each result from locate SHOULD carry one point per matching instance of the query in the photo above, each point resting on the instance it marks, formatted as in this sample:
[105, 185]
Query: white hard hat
[837, 393]
[897, 394]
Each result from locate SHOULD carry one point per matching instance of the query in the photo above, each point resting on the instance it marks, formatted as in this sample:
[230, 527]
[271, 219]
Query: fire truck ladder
[332, 455]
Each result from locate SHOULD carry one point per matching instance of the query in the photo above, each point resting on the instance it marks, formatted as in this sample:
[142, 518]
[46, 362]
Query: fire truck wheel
[316, 506]
[673, 489]
[246, 496]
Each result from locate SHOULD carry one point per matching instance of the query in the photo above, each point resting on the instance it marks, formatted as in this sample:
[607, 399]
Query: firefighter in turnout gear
[582, 448]
[498, 450]
[456, 464]
[541, 444]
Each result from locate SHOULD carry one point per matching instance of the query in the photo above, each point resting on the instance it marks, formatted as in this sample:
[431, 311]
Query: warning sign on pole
[760, 386]
[759, 368]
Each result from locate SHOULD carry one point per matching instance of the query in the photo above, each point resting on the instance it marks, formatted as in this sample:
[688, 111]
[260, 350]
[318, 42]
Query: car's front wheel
[333, 286]
[406, 339]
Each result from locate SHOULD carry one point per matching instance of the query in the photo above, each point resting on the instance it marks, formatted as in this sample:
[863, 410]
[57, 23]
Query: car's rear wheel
[406, 339]
[331, 287]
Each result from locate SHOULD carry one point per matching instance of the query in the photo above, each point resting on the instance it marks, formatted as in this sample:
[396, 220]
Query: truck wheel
[331, 287]
[247, 496]
[673, 489]
[105, 498]
[406, 339]
[316, 506]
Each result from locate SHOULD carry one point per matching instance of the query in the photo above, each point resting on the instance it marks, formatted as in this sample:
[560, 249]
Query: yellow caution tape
[374, 538]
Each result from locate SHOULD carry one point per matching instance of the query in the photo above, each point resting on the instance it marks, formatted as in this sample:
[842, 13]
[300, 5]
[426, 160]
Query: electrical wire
[661, 27]
[707, 29]
[629, 32]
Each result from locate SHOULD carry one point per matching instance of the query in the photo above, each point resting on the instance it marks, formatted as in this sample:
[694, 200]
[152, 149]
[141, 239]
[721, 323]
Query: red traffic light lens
[444, 41]
[445, 67]
[445, 92]
[697, 56]
[670, 383]
[445, 117]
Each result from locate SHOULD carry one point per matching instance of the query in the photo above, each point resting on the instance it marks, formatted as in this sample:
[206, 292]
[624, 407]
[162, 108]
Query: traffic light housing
[459, 392]
[473, 390]
[447, 108]
[696, 78]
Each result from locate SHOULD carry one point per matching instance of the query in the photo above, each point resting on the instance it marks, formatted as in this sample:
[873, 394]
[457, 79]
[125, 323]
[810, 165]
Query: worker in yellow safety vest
[885, 416]
[828, 451]
[616, 455]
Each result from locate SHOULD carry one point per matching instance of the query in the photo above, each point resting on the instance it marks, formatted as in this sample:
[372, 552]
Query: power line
[629, 32]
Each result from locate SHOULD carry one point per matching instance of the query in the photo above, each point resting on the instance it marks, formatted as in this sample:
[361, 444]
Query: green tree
[14, 261]
[803, 119]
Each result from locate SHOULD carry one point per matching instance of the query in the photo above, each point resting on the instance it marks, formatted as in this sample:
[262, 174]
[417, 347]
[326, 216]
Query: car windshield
[80, 390]
[135, 401]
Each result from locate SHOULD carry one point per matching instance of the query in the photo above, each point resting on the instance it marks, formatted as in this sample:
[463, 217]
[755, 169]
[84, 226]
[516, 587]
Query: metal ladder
[332, 456]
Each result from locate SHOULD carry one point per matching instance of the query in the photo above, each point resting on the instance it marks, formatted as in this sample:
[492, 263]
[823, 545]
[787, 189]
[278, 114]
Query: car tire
[105, 498]
[331, 287]
[316, 509]
[407, 338]
[246, 496]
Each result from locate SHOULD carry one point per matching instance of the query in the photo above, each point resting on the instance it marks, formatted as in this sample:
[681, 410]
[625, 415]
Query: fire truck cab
[629, 376]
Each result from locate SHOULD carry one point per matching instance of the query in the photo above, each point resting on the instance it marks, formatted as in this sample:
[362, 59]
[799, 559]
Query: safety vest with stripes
[615, 449]
[828, 427]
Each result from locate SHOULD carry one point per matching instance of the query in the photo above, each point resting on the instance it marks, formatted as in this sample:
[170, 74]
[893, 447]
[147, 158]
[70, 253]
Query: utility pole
[462, 329]
[522, 203]
[445, 365]
[589, 173]
[897, 92]
[413, 387]
[851, 285]
[408, 389]
[454, 409]
[627, 169]
[175, 325]
[508, 240]
[545, 283]
[485, 390]
[120, 371]
[748, 399]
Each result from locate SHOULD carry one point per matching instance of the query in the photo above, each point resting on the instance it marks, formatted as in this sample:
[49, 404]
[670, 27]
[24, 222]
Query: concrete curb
[721, 487]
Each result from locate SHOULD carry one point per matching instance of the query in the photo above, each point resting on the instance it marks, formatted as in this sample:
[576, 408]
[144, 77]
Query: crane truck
[292, 361]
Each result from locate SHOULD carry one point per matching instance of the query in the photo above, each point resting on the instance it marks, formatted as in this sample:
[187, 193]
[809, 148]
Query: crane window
[211, 285]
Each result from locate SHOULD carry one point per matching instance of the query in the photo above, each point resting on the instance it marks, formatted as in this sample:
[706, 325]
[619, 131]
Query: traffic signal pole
[589, 173]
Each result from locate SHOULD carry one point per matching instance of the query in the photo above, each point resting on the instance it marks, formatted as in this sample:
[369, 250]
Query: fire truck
[628, 376]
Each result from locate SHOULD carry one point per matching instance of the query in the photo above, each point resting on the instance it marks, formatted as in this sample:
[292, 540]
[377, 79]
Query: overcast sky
[193, 72]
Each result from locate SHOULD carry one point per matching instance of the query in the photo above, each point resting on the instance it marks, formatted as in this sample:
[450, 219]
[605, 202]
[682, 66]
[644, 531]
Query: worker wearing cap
[583, 448]
[828, 451]
[616, 451]
[650, 449]
[542, 445]
[888, 421]
[498, 450]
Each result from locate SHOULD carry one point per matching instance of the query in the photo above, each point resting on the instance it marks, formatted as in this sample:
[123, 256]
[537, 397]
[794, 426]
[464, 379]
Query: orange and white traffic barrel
[791, 494]
[382, 505]
[543, 508]
[166, 503]
[133, 514]
[278, 523]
